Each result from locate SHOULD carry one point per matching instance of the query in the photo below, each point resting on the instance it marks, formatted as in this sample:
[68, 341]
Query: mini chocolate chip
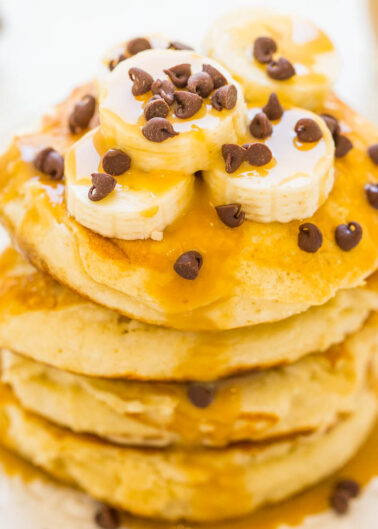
[332, 123]
[134, 46]
[217, 77]
[339, 501]
[273, 108]
[310, 238]
[231, 215]
[201, 83]
[176, 45]
[82, 114]
[187, 104]
[50, 162]
[188, 265]
[142, 81]
[280, 70]
[165, 89]
[115, 62]
[342, 145]
[116, 162]
[260, 126]
[156, 108]
[179, 74]
[258, 154]
[107, 518]
[224, 97]
[348, 235]
[233, 155]
[350, 486]
[263, 49]
[158, 130]
[201, 395]
[373, 153]
[103, 185]
[371, 191]
[308, 131]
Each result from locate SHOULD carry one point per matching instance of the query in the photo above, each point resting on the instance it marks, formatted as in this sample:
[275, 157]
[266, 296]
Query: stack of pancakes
[186, 398]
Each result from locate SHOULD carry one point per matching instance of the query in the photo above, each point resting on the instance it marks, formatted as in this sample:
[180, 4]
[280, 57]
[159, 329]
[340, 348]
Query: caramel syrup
[362, 468]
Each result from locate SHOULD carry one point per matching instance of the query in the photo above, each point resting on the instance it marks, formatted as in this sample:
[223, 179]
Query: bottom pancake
[300, 398]
[181, 484]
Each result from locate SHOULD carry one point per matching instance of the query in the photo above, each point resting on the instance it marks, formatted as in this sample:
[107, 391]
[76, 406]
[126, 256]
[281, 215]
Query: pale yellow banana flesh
[230, 41]
[292, 186]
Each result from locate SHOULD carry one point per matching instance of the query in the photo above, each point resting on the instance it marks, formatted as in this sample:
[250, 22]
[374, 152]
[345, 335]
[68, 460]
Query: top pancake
[252, 274]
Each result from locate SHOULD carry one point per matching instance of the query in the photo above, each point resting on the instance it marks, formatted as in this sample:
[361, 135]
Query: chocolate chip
[310, 238]
[348, 235]
[142, 81]
[50, 162]
[344, 491]
[273, 108]
[224, 97]
[373, 153]
[350, 486]
[107, 518]
[258, 154]
[201, 83]
[339, 501]
[371, 191]
[231, 215]
[332, 123]
[260, 126]
[280, 70]
[217, 77]
[179, 74]
[201, 395]
[115, 62]
[82, 114]
[116, 162]
[158, 130]
[263, 49]
[308, 131]
[103, 185]
[233, 155]
[165, 89]
[134, 46]
[342, 145]
[176, 45]
[188, 264]
[187, 104]
[156, 108]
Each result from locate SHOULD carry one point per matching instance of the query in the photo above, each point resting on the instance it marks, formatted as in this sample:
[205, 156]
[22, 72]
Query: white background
[48, 46]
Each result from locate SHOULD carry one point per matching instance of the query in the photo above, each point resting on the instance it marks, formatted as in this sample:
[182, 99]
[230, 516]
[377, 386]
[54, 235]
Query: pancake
[302, 398]
[251, 275]
[47, 322]
[175, 484]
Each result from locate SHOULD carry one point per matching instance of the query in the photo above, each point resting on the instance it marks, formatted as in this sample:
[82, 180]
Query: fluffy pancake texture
[176, 484]
[306, 397]
[47, 322]
[253, 274]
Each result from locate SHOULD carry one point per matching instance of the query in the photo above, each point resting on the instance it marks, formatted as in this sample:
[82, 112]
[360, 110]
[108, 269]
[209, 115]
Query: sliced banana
[231, 42]
[293, 185]
[141, 205]
[122, 116]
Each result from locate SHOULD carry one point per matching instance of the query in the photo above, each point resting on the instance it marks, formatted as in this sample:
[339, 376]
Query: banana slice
[231, 41]
[292, 185]
[126, 49]
[141, 204]
[122, 115]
